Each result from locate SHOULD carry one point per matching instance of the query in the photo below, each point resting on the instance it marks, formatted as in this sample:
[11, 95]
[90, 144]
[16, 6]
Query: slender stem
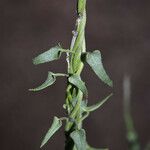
[78, 46]
[132, 135]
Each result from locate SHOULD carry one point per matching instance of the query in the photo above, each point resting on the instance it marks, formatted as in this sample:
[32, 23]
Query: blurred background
[119, 28]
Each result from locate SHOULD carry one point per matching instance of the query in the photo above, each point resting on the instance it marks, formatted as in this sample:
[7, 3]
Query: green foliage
[57, 123]
[51, 78]
[95, 106]
[79, 139]
[52, 54]
[76, 105]
[95, 61]
[76, 80]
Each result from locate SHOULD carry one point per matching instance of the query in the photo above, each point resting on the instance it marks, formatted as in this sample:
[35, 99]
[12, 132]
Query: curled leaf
[49, 81]
[51, 78]
[57, 123]
[95, 61]
[95, 106]
[79, 138]
[76, 80]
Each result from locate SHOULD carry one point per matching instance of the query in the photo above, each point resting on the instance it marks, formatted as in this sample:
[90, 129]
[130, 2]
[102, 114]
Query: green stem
[75, 66]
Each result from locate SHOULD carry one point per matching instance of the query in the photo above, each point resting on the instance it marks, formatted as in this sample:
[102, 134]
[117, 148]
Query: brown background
[120, 28]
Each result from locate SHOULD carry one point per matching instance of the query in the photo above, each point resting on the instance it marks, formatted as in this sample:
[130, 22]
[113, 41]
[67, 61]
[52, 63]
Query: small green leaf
[52, 54]
[76, 80]
[96, 106]
[49, 81]
[79, 138]
[57, 123]
[95, 61]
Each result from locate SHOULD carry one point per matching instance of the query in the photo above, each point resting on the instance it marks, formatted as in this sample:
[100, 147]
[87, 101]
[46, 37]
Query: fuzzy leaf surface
[79, 138]
[94, 59]
[57, 123]
[53, 53]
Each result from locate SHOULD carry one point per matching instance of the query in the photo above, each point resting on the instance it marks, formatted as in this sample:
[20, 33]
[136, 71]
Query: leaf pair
[94, 59]
[53, 53]
[95, 62]
[79, 138]
[76, 80]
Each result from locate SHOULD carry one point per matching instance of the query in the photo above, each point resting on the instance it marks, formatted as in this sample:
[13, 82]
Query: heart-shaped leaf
[76, 80]
[53, 53]
[95, 61]
[95, 106]
[51, 78]
[57, 123]
[79, 138]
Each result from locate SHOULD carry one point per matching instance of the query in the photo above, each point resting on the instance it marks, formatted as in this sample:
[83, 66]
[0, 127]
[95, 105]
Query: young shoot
[75, 105]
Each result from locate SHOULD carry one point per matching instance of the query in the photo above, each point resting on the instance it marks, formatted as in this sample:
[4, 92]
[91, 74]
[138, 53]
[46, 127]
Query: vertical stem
[78, 46]
[132, 135]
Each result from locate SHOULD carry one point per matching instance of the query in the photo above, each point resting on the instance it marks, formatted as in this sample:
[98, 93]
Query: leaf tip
[111, 94]
[32, 90]
[34, 61]
[110, 83]
[42, 144]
